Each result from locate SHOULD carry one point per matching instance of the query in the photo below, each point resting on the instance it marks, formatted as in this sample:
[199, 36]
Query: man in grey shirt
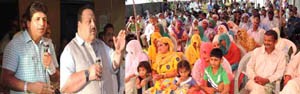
[86, 67]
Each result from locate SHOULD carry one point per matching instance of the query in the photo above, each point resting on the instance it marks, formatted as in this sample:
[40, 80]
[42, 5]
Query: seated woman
[208, 32]
[180, 35]
[192, 53]
[194, 28]
[222, 29]
[133, 57]
[164, 69]
[152, 50]
[243, 39]
[230, 50]
[232, 27]
[202, 63]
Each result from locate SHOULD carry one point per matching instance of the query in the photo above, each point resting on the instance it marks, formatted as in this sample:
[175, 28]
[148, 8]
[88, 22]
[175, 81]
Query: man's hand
[47, 59]
[40, 88]
[286, 79]
[261, 81]
[95, 72]
[119, 41]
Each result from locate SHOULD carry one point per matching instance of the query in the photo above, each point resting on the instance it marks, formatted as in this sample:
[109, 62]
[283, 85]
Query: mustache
[41, 28]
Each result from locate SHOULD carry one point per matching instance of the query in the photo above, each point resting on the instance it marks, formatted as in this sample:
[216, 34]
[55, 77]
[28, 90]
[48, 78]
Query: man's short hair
[109, 25]
[35, 6]
[272, 33]
[271, 12]
[216, 52]
[256, 16]
[88, 6]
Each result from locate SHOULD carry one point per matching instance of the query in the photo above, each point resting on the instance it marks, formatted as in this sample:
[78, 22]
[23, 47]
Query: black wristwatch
[87, 74]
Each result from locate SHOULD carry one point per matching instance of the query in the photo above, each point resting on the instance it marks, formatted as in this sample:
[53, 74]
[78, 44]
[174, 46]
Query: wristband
[25, 87]
[87, 74]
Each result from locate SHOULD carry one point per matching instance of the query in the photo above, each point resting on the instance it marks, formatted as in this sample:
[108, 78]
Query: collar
[81, 42]
[28, 39]
[274, 52]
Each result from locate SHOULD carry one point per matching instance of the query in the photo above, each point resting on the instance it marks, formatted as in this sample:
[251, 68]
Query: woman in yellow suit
[152, 50]
[164, 69]
[192, 52]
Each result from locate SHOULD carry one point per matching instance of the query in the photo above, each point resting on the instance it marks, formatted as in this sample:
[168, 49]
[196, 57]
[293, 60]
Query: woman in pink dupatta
[133, 57]
[202, 63]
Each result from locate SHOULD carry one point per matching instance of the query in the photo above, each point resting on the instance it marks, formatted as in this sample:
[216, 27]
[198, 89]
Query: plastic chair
[242, 69]
[287, 45]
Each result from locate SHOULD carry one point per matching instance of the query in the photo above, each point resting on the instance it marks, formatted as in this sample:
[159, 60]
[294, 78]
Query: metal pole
[136, 25]
[280, 16]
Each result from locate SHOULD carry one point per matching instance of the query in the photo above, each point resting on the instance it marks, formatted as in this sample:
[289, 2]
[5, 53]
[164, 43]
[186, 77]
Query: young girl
[184, 81]
[143, 81]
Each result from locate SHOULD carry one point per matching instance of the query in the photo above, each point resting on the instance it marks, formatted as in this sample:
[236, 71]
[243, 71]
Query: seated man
[292, 76]
[265, 66]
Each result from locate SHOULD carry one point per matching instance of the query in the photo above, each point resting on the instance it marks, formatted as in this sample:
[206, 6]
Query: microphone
[46, 47]
[98, 61]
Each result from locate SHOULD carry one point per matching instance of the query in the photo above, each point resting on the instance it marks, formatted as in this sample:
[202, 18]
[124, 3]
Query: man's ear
[221, 59]
[28, 24]
[78, 23]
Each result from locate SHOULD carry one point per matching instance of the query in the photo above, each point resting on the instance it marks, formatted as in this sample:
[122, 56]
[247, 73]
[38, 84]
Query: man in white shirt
[266, 65]
[271, 21]
[292, 76]
[256, 32]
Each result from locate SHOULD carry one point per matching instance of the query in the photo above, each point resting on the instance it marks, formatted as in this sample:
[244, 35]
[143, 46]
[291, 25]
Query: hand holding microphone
[46, 55]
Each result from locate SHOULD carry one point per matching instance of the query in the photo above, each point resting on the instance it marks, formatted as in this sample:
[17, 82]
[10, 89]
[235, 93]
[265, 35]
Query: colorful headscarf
[168, 41]
[227, 40]
[152, 48]
[213, 23]
[192, 53]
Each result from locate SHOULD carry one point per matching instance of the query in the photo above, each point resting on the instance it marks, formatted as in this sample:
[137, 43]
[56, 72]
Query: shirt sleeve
[292, 66]
[225, 78]
[115, 59]
[10, 57]
[251, 65]
[193, 82]
[67, 66]
[54, 63]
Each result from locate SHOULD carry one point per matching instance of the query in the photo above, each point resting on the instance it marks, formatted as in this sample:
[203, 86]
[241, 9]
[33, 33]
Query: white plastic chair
[242, 69]
[285, 45]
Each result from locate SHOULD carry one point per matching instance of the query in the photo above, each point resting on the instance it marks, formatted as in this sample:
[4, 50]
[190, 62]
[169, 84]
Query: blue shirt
[24, 57]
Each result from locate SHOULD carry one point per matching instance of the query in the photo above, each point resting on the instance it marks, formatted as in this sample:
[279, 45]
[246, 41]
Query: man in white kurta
[292, 76]
[266, 65]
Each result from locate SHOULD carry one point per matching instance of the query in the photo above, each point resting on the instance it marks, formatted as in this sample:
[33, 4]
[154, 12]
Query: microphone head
[46, 46]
